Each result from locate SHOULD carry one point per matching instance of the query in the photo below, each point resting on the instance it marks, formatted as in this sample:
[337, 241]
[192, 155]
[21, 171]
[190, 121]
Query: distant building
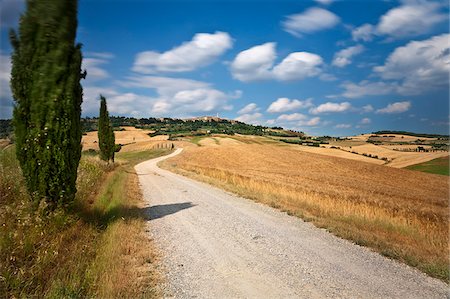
[209, 119]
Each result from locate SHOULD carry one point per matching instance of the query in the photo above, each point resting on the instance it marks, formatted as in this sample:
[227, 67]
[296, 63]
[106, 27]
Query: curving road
[218, 245]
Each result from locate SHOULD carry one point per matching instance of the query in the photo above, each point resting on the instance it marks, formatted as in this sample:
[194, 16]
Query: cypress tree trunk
[106, 140]
[45, 82]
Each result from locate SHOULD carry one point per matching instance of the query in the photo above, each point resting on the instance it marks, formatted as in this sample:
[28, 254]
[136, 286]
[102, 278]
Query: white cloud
[365, 121]
[419, 66]
[285, 104]
[297, 66]
[311, 20]
[324, 2]
[254, 63]
[5, 75]
[101, 55]
[292, 117]
[251, 118]
[365, 88]
[164, 85]
[364, 32]
[343, 57]
[367, 108]
[174, 97]
[270, 122]
[93, 68]
[411, 19]
[311, 123]
[343, 126]
[397, 107]
[330, 107]
[203, 49]
[6, 100]
[250, 108]
[257, 63]
[327, 77]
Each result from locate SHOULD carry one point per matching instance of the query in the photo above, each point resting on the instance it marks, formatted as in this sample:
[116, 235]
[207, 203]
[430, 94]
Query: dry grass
[98, 249]
[125, 267]
[399, 159]
[400, 213]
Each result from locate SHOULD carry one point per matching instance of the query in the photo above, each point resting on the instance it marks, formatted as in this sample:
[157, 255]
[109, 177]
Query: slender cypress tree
[45, 82]
[106, 138]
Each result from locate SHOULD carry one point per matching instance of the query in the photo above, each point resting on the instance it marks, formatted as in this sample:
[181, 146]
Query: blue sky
[322, 67]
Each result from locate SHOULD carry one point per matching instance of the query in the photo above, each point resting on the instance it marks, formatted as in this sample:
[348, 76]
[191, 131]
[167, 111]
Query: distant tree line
[175, 126]
[386, 132]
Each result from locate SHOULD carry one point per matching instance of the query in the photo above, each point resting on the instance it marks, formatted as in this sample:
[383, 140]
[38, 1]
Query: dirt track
[217, 245]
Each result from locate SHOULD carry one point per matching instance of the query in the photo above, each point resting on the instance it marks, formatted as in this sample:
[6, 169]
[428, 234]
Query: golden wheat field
[132, 140]
[398, 159]
[400, 213]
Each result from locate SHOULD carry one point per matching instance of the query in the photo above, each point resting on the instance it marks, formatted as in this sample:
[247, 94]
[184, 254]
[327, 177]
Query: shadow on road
[102, 219]
[160, 211]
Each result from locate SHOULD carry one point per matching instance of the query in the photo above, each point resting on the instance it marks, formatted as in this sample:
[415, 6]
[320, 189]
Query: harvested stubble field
[400, 213]
[397, 159]
[132, 139]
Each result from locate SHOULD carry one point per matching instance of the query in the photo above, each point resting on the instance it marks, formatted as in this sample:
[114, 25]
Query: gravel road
[218, 245]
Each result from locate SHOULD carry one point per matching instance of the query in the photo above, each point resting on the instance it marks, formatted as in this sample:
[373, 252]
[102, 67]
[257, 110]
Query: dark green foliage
[106, 138]
[5, 128]
[45, 82]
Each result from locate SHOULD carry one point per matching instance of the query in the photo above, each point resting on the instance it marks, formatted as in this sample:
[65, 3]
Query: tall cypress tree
[106, 140]
[45, 82]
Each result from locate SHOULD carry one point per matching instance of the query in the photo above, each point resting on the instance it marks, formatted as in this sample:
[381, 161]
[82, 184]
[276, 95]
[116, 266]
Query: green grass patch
[196, 140]
[436, 166]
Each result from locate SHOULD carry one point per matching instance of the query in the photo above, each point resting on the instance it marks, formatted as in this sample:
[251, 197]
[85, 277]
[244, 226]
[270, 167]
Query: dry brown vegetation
[401, 213]
[132, 140]
[97, 249]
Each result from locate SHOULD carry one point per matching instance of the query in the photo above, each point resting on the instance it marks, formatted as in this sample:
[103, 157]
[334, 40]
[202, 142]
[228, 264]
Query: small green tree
[45, 83]
[106, 140]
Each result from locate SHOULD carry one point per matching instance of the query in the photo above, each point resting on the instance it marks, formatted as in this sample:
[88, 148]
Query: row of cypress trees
[45, 83]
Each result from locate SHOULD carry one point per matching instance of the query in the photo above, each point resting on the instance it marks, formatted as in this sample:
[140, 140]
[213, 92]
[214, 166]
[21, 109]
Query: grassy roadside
[436, 166]
[401, 214]
[99, 249]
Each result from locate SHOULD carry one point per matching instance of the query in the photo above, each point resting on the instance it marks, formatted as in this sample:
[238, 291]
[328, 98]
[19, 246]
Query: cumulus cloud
[176, 97]
[250, 108]
[202, 50]
[297, 66]
[343, 126]
[285, 104]
[330, 107]
[6, 101]
[257, 63]
[5, 75]
[367, 108]
[343, 57]
[364, 32]
[250, 118]
[411, 19]
[324, 2]
[311, 20]
[397, 107]
[365, 88]
[254, 63]
[365, 121]
[93, 64]
[292, 117]
[315, 121]
[419, 66]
